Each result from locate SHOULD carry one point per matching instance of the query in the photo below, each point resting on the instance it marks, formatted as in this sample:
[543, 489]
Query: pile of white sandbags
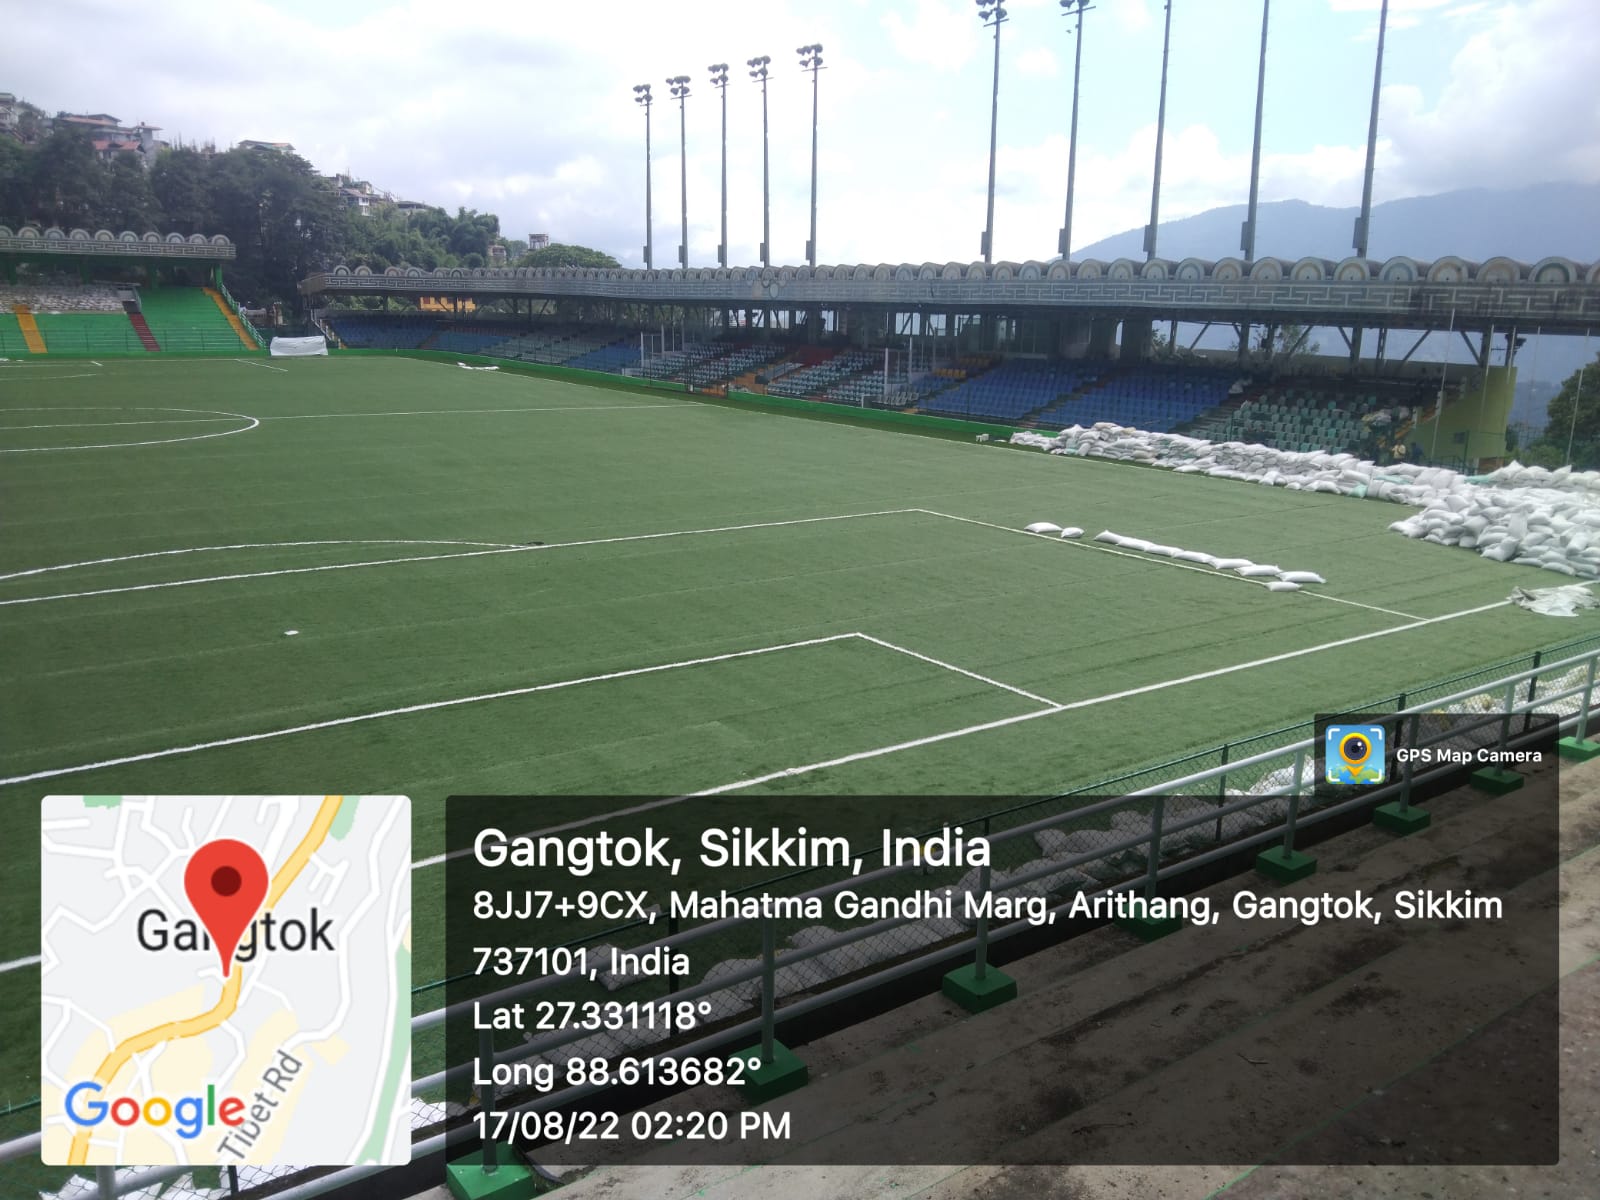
[1558, 530]
[1281, 580]
[1530, 516]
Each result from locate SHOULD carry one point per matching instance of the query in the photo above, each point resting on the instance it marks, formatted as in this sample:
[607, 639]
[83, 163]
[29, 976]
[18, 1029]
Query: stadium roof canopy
[1555, 294]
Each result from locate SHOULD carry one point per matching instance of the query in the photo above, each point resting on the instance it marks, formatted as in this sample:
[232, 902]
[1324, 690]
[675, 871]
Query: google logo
[192, 1114]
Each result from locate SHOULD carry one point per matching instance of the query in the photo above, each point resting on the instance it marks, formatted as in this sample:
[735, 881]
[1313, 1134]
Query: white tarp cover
[284, 347]
[1556, 601]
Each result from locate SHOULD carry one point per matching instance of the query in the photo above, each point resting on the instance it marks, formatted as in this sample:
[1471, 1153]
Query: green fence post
[1580, 747]
[1148, 928]
[480, 1174]
[1399, 816]
[773, 1069]
[1495, 779]
[977, 987]
[1285, 864]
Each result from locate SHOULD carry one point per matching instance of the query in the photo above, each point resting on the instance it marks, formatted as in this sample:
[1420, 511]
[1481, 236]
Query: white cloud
[935, 34]
[1039, 63]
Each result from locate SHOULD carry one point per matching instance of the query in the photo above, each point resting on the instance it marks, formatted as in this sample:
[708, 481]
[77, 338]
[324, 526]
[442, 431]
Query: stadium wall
[629, 383]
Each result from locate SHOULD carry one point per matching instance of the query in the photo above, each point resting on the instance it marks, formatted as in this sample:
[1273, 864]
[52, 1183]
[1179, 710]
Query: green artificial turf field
[507, 584]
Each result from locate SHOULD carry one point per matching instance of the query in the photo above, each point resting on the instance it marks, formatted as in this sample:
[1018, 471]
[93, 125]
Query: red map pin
[226, 882]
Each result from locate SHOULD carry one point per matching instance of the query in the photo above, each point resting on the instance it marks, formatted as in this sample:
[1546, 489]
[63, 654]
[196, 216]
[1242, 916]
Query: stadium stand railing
[811, 380]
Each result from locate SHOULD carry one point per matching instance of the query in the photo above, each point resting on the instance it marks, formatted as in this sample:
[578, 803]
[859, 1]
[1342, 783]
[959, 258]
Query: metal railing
[1132, 842]
[243, 320]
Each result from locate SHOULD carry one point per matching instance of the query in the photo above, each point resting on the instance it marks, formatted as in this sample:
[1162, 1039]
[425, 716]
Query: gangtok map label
[226, 980]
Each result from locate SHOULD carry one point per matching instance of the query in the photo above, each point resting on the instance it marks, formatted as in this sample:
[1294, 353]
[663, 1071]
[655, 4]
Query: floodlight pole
[642, 96]
[1064, 243]
[758, 72]
[1161, 127]
[990, 13]
[680, 89]
[719, 80]
[1364, 221]
[811, 60]
[1247, 238]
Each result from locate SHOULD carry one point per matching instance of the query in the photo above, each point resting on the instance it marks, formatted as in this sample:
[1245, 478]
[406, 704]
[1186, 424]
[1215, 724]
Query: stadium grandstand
[157, 294]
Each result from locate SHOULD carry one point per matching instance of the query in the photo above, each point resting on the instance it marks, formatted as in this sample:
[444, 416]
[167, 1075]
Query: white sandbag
[1231, 564]
[1258, 571]
[1043, 527]
[1105, 535]
[1072, 531]
[1133, 543]
[1195, 556]
[1302, 577]
[1280, 585]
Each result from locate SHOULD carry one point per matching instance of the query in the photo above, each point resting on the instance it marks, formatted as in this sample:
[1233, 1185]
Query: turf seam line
[427, 706]
[385, 562]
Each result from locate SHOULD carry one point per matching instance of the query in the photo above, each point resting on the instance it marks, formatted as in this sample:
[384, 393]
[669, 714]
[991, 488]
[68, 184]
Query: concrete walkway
[1206, 1039]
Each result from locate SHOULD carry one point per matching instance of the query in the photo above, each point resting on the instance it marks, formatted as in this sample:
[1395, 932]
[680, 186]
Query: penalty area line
[407, 709]
[1109, 697]
[264, 366]
[416, 558]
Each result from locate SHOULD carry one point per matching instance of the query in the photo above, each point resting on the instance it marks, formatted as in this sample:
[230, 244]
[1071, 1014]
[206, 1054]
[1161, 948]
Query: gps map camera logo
[1353, 754]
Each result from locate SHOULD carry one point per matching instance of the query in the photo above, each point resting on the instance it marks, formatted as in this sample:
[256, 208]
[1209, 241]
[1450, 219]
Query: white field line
[18, 963]
[806, 769]
[610, 814]
[1157, 560]
[1369, 607]
[385, 562]
[100, 562]
[52, 378]
[958, 670]
[451, 412]
[105, 424]
[266, 366]
[429, 706]
[198, 437]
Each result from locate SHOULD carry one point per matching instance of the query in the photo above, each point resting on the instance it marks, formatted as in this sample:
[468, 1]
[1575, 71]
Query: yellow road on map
[229, 1000]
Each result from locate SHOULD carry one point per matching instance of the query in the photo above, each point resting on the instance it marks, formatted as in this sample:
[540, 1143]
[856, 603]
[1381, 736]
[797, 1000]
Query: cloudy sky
[526, 109]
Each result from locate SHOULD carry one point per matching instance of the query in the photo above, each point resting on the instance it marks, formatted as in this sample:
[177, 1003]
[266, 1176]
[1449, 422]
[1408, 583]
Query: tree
[181, 183]
[129, 201]
[68, 181]
[557, 254]
[1585, 432]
